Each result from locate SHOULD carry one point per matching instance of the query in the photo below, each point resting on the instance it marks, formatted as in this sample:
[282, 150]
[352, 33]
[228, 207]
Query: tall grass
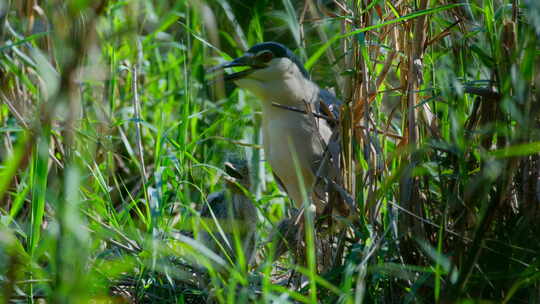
[113, 136]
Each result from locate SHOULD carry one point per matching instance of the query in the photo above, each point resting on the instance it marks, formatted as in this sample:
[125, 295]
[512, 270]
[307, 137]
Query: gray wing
[217, 202]
[280, 183]
[329, 105]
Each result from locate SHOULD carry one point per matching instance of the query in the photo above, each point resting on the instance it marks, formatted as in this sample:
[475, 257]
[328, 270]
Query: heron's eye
[265, 56]
[229, 169]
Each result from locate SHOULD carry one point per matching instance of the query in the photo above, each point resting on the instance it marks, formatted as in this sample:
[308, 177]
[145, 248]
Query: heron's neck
[293, 94]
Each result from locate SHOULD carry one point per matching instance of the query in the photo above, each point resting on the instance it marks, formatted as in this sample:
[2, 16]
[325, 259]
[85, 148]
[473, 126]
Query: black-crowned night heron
[290, 129]
[230, 217]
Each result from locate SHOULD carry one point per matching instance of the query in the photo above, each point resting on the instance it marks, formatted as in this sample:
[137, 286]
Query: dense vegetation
[113, 135]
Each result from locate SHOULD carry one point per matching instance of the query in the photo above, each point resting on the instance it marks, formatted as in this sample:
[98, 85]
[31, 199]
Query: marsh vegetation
[113, 134]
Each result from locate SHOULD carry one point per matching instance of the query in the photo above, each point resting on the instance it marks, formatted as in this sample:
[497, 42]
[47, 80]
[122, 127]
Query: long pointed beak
[245, 60]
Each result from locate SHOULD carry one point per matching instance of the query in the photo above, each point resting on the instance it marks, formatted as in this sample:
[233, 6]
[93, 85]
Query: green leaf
[27, 39]
[517, 150]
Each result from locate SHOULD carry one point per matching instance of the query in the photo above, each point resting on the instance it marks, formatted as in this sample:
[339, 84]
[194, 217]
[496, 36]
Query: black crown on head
[279, 51]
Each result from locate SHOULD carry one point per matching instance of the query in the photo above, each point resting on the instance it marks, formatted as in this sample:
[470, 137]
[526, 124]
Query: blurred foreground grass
[112, 138]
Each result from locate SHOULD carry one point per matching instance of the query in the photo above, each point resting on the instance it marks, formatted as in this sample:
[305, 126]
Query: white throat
[281, 82]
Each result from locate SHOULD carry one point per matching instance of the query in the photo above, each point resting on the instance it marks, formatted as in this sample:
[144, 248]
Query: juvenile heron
[230, 215]
[292, 107]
